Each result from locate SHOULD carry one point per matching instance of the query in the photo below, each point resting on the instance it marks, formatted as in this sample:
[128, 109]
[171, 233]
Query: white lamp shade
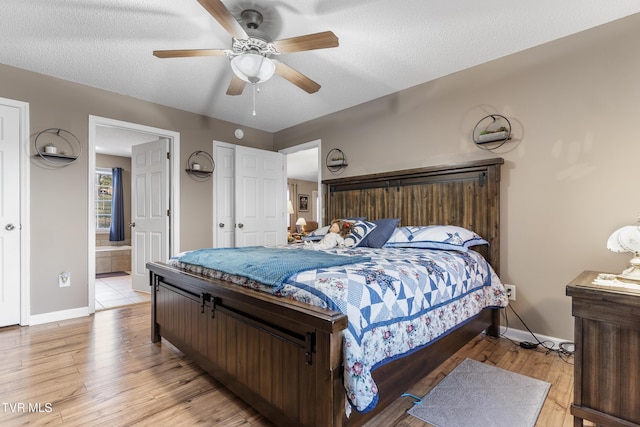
[289, 207]
[253, 68]
[625, 239]
[301, 221]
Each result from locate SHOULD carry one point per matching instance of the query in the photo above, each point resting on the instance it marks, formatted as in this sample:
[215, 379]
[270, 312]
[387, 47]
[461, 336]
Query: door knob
[240, 225]
[132, 224]
[9, 227]
[221, 225]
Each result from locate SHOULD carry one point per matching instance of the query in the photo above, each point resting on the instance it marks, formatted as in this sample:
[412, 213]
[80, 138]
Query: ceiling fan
[252, 51]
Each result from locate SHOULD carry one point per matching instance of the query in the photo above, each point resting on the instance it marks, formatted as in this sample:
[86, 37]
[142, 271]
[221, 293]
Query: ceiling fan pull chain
[255, 88]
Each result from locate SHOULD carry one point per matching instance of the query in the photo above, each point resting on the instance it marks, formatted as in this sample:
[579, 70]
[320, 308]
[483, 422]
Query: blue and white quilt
[396, 303]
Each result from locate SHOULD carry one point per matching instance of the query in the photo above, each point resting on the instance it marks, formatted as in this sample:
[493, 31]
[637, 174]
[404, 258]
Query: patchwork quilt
[397, 302]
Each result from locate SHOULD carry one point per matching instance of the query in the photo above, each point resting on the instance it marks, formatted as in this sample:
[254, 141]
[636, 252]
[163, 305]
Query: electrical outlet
[64, 279]
[511, 291]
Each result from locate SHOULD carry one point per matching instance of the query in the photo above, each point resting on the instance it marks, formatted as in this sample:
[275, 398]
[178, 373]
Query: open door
[150, 208]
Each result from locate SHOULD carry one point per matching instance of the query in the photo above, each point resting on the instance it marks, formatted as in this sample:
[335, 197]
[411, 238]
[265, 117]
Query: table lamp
[300, 223]
[627, 239]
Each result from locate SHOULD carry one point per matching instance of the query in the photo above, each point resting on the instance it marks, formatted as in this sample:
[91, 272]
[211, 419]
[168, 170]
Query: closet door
[260, 197]
[223, 196]
[249, 197]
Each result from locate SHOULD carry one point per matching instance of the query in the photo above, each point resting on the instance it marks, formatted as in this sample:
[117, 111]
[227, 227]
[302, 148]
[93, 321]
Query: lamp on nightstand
[627, 239]
[300, 223]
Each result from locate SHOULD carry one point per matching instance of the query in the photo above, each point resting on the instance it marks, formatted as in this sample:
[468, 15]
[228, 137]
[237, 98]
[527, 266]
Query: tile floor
[115, 291]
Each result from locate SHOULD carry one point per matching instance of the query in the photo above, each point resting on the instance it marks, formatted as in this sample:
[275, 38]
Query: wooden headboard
[463, 194]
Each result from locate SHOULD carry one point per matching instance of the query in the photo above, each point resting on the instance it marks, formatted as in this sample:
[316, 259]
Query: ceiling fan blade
[221, 14]
[297, 78]
[236, 86]
[188, 53]
[322, 40]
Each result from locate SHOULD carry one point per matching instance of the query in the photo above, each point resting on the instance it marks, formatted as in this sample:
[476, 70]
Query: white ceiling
[385, 47]
[303, 164]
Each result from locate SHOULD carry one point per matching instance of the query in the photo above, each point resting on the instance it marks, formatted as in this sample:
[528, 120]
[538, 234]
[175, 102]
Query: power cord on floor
[565, 349]
[415, 398]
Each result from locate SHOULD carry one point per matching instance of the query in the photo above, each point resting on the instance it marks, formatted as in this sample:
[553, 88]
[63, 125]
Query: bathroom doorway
[111, 263]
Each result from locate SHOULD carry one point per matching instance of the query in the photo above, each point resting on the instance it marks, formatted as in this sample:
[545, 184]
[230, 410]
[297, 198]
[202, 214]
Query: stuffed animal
[335, 237]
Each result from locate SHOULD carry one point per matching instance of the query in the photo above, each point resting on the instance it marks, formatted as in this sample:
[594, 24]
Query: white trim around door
[306, 146]
[174, 197]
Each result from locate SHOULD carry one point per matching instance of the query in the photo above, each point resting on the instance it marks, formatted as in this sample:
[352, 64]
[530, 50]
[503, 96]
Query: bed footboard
[283, 358]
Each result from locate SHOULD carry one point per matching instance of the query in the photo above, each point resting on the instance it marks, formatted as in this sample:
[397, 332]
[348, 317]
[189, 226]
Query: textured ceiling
[385, 46]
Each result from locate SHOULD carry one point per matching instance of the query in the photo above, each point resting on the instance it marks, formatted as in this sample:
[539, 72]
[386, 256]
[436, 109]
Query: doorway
[114, 137]
[304, 179]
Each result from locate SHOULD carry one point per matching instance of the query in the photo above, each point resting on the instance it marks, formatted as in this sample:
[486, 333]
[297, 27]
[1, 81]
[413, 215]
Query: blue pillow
[449, 237]
[379, 235]
[358, 233]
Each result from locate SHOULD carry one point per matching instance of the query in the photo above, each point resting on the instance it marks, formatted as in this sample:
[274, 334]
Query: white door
[9, 215]
[223, 200]
[249, 197]
[260, 199]
[150, 208]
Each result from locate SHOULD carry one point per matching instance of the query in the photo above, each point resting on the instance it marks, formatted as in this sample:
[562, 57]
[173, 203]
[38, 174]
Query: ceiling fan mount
[251, 49]
[251, 18]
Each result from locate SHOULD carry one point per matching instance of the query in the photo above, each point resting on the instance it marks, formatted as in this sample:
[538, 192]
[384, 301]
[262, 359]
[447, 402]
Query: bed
[286, 356]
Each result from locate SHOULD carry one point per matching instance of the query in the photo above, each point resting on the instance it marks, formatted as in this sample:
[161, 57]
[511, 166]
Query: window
[103, 189]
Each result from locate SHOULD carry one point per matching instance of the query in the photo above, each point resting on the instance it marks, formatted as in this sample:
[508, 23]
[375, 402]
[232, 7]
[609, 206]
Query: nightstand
[607, 357]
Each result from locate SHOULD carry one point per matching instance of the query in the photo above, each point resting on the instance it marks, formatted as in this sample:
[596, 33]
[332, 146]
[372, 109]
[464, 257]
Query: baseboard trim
[56, 316]
[519, 336]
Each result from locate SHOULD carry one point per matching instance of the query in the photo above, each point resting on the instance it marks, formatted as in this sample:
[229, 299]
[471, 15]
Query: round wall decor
[336, 160]
[200, 164]
[57, 146]
[492, 132]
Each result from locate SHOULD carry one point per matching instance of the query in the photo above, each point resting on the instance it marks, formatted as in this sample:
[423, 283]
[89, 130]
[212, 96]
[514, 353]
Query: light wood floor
[104, 370]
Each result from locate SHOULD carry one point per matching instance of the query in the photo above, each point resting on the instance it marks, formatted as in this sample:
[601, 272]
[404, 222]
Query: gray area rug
[477, 394]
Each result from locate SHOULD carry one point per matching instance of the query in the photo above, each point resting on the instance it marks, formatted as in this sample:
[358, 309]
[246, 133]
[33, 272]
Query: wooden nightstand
[607, 358]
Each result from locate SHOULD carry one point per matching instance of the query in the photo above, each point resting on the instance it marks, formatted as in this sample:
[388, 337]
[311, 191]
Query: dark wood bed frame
[285, 358]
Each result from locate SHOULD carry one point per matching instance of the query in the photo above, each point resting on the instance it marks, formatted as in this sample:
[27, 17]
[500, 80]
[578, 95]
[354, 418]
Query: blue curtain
[116, 233]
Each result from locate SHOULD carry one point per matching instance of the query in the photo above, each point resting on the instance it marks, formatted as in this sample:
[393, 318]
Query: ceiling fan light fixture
[253, 67]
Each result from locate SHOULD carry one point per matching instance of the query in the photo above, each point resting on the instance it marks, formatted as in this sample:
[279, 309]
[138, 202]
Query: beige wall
[297, 187]
[568, 181]
[570, 174]
[59, 206]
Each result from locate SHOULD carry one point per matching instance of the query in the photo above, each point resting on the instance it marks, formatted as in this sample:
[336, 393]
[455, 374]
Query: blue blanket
[269, 266]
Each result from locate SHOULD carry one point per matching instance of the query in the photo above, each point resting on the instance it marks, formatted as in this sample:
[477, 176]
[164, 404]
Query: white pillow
[317, 234]
[449, 237]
